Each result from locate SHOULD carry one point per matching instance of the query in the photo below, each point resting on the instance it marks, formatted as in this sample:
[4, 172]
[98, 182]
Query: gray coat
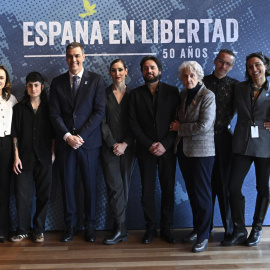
[242, 142]
[197, 124]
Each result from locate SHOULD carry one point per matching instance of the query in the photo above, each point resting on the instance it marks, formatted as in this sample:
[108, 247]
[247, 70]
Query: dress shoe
[68, 234]
[120, 234]
[200, 246]
[238, 237]
[149, 235]
[2, 239]
[89, 235]
[167, 235]
[190, 238]
[254, 238]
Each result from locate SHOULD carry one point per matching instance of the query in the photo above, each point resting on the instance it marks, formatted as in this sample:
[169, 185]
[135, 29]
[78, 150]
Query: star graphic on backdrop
[89, 8]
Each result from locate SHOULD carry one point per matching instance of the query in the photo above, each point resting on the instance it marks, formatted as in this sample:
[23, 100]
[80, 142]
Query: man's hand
[157, 149]
[17, 166]
[119, 148]
[74, 141]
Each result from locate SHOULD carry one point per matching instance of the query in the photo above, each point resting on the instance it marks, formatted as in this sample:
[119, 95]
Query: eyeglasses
[224, 62]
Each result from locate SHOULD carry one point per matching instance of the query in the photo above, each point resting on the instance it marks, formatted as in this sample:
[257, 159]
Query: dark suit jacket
[242, 142]
[149, 129]
[115, 125]
[81, 115]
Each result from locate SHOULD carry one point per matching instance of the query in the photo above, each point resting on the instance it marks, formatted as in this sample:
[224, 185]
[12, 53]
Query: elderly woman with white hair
[195, 148]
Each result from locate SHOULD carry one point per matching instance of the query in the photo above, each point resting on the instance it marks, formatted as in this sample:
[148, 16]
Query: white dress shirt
[6, 112]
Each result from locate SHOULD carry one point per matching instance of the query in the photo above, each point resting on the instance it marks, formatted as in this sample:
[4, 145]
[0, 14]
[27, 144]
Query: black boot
[239, 235]
[120, 234]
[259, 215]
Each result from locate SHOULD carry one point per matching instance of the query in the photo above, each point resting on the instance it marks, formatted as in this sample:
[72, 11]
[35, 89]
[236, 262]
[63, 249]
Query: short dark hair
[34, 77]
[6, 91]
[116, 61]
[265, 60]
[74, 45]
[150, 57]
[228, 52]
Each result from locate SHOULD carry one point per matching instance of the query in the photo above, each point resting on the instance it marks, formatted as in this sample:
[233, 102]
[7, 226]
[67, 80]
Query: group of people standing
[154, 123]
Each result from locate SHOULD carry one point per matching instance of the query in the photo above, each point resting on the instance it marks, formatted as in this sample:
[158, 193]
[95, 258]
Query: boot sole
[123, 239]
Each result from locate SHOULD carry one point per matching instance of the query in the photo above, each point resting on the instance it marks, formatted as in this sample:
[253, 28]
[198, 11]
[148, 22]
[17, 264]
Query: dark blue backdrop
[34, 34]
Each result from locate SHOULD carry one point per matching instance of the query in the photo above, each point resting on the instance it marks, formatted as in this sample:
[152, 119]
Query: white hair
[193, 66]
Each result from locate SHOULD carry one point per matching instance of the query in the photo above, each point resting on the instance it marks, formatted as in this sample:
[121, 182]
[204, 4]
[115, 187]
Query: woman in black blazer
[117, 152]
[251, 143]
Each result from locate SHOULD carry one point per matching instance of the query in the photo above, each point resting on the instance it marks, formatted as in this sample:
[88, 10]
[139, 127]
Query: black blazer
[115, 125]
[82, 115]
[148, 128]
[242, 142]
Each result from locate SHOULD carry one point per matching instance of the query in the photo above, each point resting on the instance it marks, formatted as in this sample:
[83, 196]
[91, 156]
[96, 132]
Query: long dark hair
[6, 91]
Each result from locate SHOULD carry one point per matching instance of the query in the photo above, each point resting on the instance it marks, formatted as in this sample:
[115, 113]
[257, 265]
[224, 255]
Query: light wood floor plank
[132, 255]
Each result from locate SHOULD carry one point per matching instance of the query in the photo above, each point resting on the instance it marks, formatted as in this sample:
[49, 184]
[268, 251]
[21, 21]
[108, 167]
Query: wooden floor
[132, 255]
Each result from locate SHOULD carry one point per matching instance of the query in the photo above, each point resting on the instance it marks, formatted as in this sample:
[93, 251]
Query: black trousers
[41, 178]
[166, 173]
[220, 178]
[197, 173]
[6, 159]
[240, 167]
[117, 174]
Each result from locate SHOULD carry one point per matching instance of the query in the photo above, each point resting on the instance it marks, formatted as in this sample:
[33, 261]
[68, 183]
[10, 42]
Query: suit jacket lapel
[114, 103]
[67, 89]
[194, 103]
[264, 95]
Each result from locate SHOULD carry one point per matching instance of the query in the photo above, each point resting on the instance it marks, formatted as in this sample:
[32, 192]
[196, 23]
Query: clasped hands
[74, 141]
[119, 148]
[157, 149]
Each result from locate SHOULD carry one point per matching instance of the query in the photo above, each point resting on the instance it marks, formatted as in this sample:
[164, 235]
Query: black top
[115, 125]
[191, 93]
[223, 90]
[34, 133]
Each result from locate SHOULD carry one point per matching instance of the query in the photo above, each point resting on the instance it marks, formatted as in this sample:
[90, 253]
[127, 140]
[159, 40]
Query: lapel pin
[267, 94]
[85, 82]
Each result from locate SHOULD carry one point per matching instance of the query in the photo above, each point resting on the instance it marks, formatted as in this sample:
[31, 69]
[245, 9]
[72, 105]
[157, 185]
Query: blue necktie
[75, 85]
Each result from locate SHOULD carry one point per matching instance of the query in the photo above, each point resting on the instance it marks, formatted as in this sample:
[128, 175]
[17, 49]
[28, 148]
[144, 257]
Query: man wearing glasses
[222, 86]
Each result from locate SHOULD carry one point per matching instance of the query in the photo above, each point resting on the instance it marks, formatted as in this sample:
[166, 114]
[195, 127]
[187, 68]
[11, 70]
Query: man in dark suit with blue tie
[77, 106]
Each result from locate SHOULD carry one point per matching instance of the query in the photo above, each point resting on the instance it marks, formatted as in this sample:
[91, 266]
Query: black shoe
[2, 239]
[254, 238]
[149, 235]
[167, 235]
[238, 237]
[120, 234]
[68, 234]
[190, 238]
[200, 246]
[89, 235]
